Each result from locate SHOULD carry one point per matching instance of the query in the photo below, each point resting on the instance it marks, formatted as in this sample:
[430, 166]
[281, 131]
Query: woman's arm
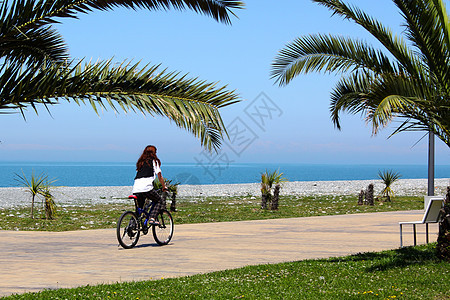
[163, 183]
[157, 170]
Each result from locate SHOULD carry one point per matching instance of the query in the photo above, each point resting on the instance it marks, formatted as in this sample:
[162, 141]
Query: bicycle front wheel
[128, 230]
[163, 232]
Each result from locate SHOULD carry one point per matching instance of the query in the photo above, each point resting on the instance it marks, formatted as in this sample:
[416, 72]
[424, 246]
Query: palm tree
[265, 190]
[268, 179]
[171, 188]
[36, 70]
[388, 177]
[412, 83]
[49, 205]
[35, 186]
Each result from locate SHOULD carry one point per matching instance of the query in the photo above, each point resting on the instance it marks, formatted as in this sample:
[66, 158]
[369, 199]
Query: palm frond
[25, 38]
[35, 46]
[413, 87]
[327, 53]
[427, 28]
[382, 98]
[415, 125]
[35, 184]
[29, 13]
[444, 20]
[388, 108]
[398, 96]
[268, 178]
[190, 103]
[388, 177]
[393, 43]
[350, 95]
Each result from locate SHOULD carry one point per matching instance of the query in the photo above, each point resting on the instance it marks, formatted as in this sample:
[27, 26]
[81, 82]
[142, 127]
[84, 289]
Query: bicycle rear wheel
[128, 230]
[163, 232]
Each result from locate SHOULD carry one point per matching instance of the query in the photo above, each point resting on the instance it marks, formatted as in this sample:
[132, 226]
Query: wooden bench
[431, 215]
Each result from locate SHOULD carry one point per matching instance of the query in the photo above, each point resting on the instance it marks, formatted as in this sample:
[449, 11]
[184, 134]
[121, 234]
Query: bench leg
[426, 232]
[415, 238]
[401, 240]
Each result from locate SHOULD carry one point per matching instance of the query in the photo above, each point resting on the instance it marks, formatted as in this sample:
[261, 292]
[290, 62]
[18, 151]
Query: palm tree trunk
[369, 196]
[32, 206]
[264, 197]
[361, 198]
[276, 197]
[47, 208]
[443, 241]
[163, 197]
[173, 205]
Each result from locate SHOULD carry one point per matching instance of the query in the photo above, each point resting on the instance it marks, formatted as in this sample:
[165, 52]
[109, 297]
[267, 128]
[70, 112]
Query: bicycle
[132, 223]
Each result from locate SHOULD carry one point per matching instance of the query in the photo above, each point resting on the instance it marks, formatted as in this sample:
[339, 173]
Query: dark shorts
[154, 197]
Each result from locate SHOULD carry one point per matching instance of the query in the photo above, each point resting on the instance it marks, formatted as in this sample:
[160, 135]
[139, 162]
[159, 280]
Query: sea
[122, 173]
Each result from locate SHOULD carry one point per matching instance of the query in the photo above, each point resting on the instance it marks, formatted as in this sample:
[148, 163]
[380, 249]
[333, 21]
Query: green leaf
[191, 104]
[408, 79]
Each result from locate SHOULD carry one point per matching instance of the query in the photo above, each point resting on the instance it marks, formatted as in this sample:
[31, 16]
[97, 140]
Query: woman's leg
[140, 199]
[156, 199]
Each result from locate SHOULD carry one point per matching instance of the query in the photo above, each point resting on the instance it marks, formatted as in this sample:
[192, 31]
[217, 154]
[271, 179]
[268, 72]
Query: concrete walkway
[33, 261]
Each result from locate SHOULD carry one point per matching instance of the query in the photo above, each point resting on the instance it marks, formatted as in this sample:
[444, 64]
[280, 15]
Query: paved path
[32, 261]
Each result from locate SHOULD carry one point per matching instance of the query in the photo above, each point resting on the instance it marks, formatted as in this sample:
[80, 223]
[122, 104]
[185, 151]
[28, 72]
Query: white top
[145, 184]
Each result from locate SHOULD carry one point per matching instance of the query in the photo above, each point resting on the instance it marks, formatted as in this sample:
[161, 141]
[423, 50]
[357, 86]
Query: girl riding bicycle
[148, 167]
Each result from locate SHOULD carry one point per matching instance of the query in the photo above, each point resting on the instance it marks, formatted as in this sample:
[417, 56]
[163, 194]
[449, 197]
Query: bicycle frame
[144, 210]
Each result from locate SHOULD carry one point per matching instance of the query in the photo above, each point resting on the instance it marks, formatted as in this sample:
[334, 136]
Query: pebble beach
[17, 196]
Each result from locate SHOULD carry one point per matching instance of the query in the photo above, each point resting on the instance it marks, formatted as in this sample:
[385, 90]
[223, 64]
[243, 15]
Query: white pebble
[79, 196]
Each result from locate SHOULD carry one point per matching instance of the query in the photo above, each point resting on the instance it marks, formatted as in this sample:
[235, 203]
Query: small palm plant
[34, 186]
[171, 187]
[268, 179]
[278, 179]
[265, 190]
[388, 177]
[49, 202]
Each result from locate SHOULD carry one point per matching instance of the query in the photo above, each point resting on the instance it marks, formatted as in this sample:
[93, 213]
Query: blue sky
[299, 131]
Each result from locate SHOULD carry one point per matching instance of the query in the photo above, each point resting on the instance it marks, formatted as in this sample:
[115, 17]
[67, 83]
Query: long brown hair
[147, 156]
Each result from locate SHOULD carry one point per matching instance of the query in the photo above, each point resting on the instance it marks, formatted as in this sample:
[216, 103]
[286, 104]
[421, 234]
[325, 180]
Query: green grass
[407, 273]
[199, 210]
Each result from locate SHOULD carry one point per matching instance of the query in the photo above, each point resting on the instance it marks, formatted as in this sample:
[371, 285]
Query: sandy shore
[10, 197]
